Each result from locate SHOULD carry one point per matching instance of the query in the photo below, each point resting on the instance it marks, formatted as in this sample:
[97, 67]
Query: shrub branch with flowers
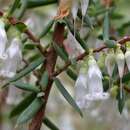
[104, 61]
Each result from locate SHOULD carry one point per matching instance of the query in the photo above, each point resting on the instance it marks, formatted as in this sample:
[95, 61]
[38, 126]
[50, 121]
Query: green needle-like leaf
[106, 27]
[26, 71]
[26, 86]
[67, 96]
[61, 52]
[44, 80]
[50, 124]
[38, 3]
[30, 111]
[22, 105]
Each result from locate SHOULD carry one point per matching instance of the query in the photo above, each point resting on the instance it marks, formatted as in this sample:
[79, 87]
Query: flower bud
[110, 62]
[84, 6]
[120, 59]
[127, 58]
[74, 9]
[80, 89]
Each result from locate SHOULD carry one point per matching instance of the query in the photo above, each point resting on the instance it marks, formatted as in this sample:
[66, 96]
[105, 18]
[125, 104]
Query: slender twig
[80, 57]
[51, 57]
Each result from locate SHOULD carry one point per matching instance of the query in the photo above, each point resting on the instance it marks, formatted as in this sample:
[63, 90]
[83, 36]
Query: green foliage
[50, 124]
[102, 22]
[30, 111]
[22, 105]
[44, 80]
[26, 86]
[67, 96]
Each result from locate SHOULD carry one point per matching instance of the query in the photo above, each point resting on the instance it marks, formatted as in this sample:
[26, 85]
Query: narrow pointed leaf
[32, 66]
[28, 69]
[71, 74]
[38, 3]
[30, 111]
[50, 124]
[44, 80]
[47, 29]
[61, 52]
[121, 102]
[67, 96]
[15, 5]
[26, 86]
[126, 78]
[22, 105]
[106, 27]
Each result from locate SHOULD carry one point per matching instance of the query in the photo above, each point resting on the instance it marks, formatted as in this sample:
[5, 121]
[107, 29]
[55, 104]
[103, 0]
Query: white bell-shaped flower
[120, 59]
[127, 58]
[81, 88]
[84, 6]
[10, 64]
[95, 85]
[110, 62]
[3, 40]
[74, 9]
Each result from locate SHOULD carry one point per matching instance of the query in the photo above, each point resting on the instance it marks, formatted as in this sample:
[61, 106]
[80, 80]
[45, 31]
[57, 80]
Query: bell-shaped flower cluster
[119, 58]
[10, 57]
[89, 86]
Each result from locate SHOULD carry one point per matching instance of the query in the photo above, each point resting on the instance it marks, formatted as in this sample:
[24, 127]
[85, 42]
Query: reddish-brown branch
[80, 57]
[51, 58]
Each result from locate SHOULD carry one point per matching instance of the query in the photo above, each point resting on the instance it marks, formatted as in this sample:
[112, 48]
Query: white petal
[84, 6]
[72, 46]
[10, 64]
[127, 57]
[80, 90]
[74, 9]
[120, 59]
[95, 85]
[94, 70]
[3, 40]
[110, 63]
[97, 96]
